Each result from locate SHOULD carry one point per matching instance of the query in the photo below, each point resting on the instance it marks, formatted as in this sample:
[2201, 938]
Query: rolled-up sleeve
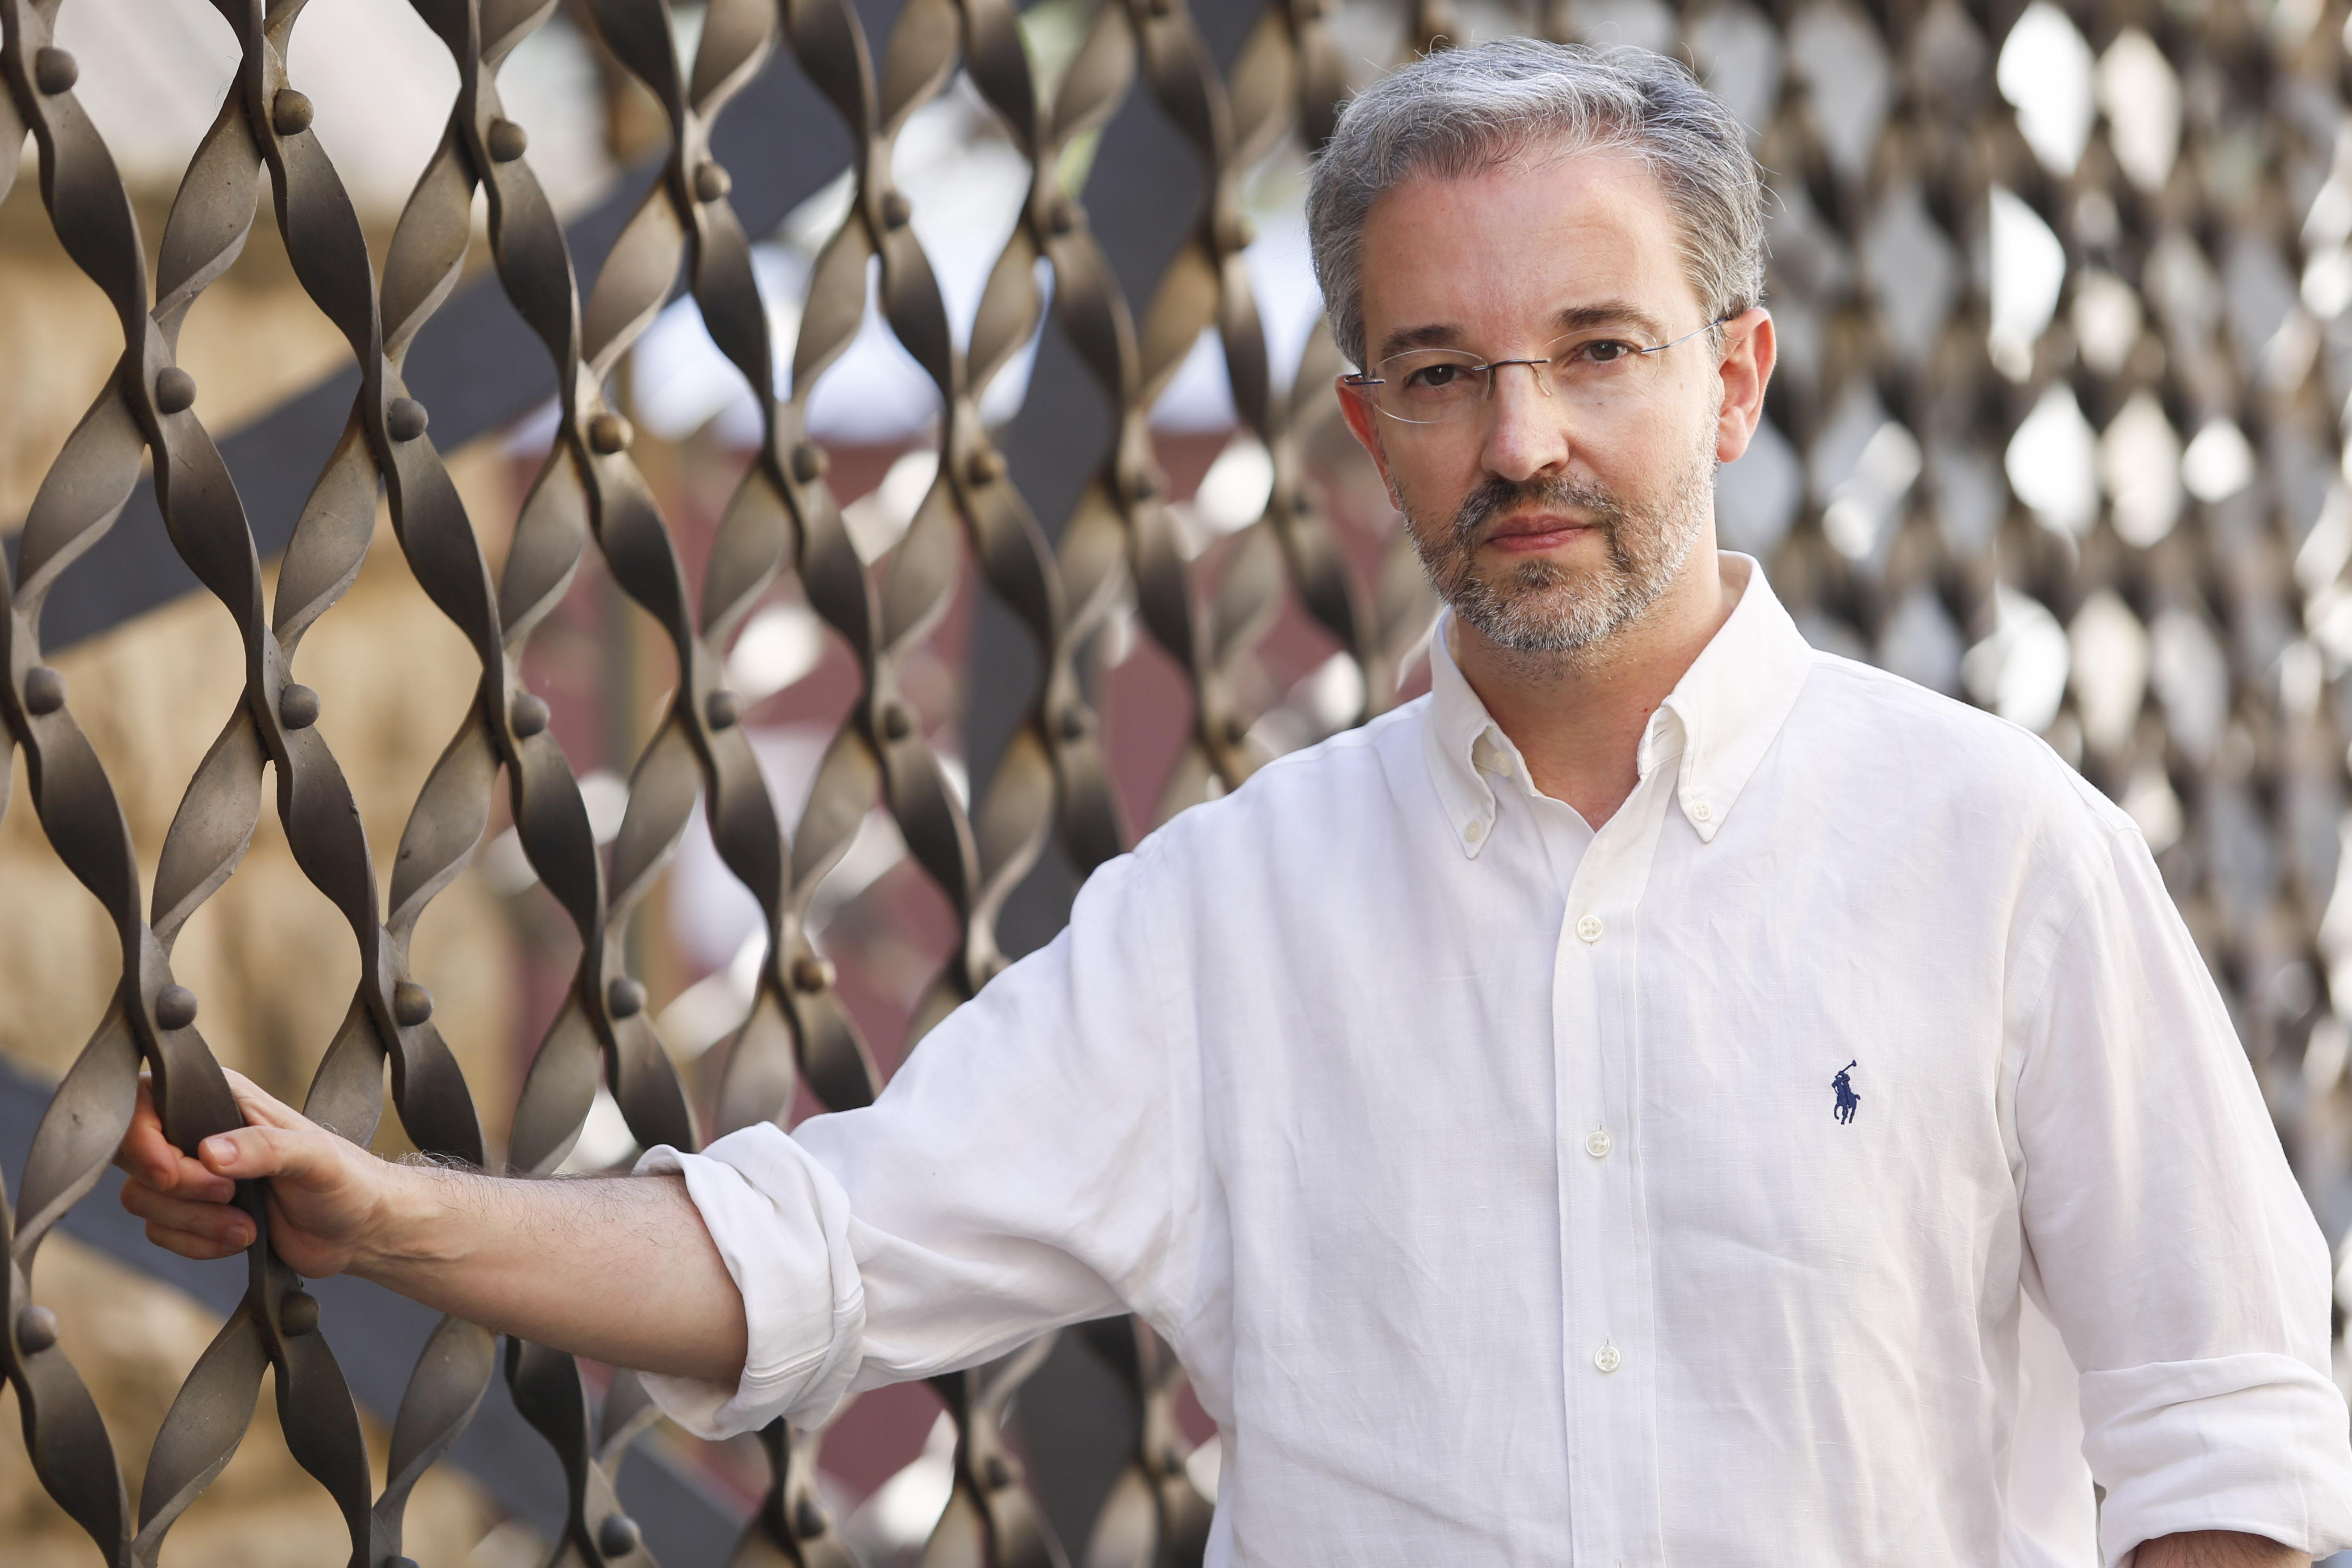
[781, 1225]
[2179, 1258]
[1029, 1166]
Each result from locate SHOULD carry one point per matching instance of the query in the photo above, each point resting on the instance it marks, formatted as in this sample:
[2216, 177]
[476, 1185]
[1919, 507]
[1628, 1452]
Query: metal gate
[2061, 294]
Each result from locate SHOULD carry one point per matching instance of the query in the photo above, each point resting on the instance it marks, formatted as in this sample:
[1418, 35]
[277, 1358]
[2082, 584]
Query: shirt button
[1701, 811]
[1598, 1144]
[1475, 831]
[1589, 928]
[1606, 1358]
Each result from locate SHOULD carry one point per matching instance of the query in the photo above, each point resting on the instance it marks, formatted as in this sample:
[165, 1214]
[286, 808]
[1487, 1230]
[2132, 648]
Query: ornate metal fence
[2061, 295]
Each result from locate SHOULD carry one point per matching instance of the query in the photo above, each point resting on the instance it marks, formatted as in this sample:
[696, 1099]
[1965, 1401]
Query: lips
[1534, 535]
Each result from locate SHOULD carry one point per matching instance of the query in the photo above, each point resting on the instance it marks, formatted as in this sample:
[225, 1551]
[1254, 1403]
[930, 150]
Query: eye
[1433, 378]
[1603, 351]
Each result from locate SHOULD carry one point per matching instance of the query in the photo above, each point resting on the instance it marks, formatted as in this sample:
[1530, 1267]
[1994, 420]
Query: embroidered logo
[1847, 1100]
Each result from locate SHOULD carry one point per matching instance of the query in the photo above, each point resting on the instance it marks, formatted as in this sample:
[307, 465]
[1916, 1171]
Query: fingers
[261, 1109]
[275, 1135]
[202, 1249]
[189, 1179]
[191, 1228]
[186, 1201]
[149, 1156]
[145, 1152]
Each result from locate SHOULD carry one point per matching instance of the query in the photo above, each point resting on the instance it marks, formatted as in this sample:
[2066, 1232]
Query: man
[1648, 1102]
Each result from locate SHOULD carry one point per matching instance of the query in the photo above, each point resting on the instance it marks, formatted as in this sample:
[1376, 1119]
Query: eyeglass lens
[1595, 371]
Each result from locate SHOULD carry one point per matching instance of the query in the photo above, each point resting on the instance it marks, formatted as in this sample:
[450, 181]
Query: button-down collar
[1720, 719]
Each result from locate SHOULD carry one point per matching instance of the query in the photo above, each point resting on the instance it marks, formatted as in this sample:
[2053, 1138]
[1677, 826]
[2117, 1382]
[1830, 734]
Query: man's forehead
[1596, 315]
[1575, 239]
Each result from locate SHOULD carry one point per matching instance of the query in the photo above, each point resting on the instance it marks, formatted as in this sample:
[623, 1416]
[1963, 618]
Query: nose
[1526, 430]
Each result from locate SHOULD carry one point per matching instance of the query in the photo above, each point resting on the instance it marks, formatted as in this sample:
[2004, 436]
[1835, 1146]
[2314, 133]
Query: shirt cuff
[781, 1222]
[2256, 1443]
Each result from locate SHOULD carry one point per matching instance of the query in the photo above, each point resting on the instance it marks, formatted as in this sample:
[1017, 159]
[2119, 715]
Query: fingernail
[218, 1148]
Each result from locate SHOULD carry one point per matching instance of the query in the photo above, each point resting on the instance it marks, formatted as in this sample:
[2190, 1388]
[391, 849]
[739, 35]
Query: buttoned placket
[1609, 1345]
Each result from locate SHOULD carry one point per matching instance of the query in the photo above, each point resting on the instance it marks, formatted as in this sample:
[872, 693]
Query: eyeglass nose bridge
[1535, 369]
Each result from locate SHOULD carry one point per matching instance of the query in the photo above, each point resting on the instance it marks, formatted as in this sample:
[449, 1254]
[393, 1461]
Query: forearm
[2217, 1549]
[619, 1269]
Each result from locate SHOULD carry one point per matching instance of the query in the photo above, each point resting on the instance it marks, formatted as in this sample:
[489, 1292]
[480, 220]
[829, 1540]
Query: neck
[1578, 717]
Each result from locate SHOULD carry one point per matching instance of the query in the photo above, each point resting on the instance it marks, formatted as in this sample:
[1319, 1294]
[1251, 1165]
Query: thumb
[305, 1156]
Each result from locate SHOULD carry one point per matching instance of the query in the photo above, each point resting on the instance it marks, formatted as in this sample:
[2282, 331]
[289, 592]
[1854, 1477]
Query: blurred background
[2061, 293]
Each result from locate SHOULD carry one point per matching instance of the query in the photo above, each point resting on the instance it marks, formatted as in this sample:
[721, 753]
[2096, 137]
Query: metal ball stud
[55, 70]
[412, 1005]
[297, 707]
[45, 690]
[176, 1007]
[624, 997]
[291, 112]
[506, 141]
[297, 1314]
[618, 1535]
[36, 1330]
[175, 390]
[608, 433]
[528, 715]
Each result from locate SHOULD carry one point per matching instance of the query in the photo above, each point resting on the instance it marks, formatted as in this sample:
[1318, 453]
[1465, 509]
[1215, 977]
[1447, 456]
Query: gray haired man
[1667, 1096]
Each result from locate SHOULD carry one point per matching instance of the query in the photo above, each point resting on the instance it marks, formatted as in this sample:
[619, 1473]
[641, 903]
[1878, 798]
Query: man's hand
[327, 1197]
[2216, 1549]
[620, 1269]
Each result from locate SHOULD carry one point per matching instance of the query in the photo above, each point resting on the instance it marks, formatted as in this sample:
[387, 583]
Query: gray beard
[1539, 607]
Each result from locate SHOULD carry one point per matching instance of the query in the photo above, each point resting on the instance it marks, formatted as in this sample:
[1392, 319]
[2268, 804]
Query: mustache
[1495, 497]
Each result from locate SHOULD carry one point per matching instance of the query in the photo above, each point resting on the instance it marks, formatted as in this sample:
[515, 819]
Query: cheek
[1651, 455]
[1433, 480]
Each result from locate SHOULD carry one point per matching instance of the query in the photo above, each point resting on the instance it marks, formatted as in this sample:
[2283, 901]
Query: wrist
[412, 1222]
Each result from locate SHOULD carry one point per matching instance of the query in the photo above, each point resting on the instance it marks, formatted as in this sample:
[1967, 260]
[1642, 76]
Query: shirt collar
[1719, 720]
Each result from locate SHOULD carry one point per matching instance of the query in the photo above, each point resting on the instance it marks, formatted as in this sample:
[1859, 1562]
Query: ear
[1749, 350]
[1357, 409]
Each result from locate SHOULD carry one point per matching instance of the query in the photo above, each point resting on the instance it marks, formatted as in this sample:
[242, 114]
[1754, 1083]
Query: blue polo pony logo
[1847, 1100]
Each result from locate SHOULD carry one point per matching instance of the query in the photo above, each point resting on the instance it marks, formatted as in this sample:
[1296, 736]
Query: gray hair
[1454, 114]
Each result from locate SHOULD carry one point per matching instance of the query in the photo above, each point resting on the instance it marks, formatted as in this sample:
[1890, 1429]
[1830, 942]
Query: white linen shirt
[1488, 1175]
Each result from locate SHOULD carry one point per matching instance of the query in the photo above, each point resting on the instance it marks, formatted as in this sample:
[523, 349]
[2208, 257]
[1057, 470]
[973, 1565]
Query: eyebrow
[1609, 313]
[1570, 319]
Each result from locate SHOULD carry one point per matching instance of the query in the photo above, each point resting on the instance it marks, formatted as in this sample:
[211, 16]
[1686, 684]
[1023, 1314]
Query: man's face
[1548, 522]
